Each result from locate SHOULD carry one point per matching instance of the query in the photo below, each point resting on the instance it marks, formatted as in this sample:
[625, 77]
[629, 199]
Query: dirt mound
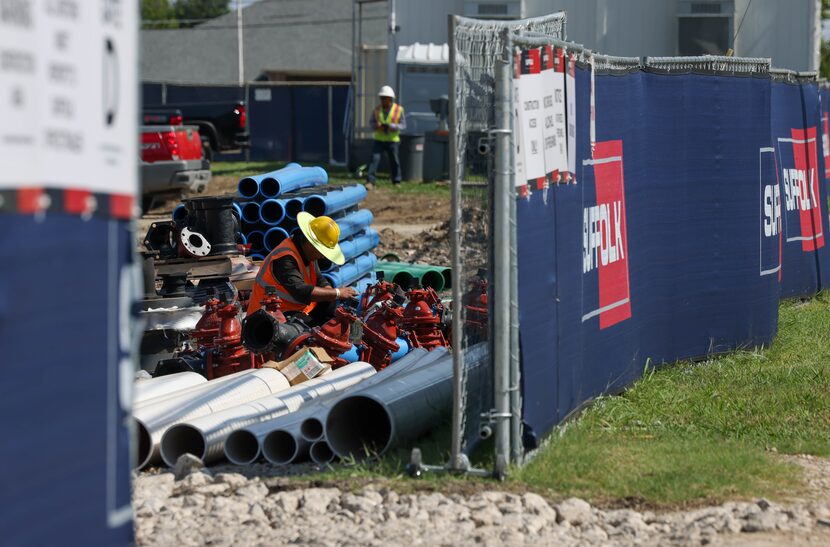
[432, 246]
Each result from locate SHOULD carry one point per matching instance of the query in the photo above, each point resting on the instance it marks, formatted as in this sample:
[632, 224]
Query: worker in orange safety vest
[291, 268]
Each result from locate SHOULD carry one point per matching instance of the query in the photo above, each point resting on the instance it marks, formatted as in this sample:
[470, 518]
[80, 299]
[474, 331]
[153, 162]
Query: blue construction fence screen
[297, 122]
[698, 203]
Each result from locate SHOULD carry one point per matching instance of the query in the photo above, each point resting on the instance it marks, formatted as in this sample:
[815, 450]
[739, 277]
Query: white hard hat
[386, 91]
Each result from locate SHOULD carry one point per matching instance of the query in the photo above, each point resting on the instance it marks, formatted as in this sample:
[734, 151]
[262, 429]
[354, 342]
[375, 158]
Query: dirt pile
[432, 246]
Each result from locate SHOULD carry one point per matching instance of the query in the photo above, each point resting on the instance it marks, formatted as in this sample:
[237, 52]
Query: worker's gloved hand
[347, 293]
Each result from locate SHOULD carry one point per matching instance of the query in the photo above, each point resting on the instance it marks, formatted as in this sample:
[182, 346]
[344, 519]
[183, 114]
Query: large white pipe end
[182, 439]
[242, 447]
[359, 427]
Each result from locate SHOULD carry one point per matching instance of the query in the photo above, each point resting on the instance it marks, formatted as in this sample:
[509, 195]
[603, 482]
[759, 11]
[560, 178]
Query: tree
[157, 14]
[188, 12]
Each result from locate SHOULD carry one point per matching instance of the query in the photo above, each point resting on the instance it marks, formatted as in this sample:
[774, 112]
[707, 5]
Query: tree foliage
[189, 10]
[180, 13]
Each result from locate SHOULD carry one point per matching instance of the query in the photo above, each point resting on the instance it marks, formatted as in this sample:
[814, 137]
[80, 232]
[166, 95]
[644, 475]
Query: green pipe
[427, 275]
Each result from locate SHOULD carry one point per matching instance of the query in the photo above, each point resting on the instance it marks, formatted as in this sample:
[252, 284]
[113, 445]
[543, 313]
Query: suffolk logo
[800, 183]
[770, 228]
[604, 237]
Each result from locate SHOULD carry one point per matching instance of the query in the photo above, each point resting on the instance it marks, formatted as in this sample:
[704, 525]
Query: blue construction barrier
[670, 245]
[67, 379]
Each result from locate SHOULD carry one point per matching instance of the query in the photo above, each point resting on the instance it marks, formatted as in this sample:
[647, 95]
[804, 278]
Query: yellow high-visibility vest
[393, 116]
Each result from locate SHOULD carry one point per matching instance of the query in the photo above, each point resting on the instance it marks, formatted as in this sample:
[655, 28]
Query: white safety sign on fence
[518, 145]
[68, 95]
[570, 99]
[553, 108]
[530, 100]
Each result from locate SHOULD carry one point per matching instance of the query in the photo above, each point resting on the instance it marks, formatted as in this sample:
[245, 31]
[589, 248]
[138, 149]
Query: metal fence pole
[516, 452]
[456, 460]
[501, 309]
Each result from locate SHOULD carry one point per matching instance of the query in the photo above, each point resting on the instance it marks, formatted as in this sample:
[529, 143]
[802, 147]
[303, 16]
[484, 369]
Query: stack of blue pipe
[268, 205]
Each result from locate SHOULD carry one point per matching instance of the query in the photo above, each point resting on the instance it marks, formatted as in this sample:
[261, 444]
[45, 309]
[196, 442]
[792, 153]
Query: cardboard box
[305, 364]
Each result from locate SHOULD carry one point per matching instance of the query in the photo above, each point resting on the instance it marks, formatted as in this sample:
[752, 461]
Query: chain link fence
[479, 49]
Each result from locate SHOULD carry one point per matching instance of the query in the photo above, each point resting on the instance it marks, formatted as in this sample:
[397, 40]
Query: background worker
[292, 269]
[388, 120]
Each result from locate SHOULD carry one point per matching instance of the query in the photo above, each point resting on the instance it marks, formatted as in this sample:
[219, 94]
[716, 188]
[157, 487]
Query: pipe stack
[269, 204]
[407, 275]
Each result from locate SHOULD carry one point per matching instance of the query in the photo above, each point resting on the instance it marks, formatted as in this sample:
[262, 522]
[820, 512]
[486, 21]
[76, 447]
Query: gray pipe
[370, 420]
[313, 427]
[285, 445]
[244, 446]
[321, 453]
[205, 436]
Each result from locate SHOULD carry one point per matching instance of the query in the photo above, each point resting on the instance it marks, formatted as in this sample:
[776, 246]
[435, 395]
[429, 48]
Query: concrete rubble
[228, 508]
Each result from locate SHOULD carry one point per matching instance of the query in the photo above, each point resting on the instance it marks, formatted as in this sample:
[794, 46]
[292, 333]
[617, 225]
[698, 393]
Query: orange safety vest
[265, 278]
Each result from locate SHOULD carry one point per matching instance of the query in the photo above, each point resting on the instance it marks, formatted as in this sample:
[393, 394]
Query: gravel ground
[221, 507]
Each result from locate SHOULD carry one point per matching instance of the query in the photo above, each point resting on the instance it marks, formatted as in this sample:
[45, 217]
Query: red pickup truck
[172, 162]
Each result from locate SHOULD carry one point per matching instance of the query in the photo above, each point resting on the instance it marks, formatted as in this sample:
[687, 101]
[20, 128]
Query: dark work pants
[391, 150]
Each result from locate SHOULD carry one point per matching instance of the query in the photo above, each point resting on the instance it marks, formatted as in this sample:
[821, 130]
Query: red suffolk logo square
[605, 236]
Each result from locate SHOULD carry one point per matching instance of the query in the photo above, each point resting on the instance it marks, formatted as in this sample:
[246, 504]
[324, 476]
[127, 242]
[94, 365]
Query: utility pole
[240, 46]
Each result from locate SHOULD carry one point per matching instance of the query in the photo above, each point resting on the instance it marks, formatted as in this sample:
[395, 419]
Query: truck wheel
[207, 150]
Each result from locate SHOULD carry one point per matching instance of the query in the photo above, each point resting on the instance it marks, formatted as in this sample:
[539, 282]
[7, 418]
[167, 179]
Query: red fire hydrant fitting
[379, 292]
[207, 328]
[227, 354]
[422, 319]
[334, 336]
[380, 332]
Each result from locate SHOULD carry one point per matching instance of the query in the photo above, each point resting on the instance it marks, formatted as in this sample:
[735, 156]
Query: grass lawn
[686, 434]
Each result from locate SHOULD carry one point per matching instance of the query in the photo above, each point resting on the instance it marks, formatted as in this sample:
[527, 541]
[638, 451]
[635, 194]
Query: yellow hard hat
[324, 233]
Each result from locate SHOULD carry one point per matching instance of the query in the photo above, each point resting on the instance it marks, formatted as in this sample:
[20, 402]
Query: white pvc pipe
[164, 385]
[235, 389]
[367, 422]
[190, 392]
[321, 453]
[204, 436]
[244, 446]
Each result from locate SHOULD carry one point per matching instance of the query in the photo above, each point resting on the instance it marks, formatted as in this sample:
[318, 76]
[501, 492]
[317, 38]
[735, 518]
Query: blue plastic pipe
[271, 212]
[336, 200]
[274, 237]
[249, 187]
[238, 209]
[361, 243]
[257, 241]
[250, 212]
[257, 256]
[403, 350]
[354, 223]
[284, 181]
[352, 355]
[351, 271]
[293, 206]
